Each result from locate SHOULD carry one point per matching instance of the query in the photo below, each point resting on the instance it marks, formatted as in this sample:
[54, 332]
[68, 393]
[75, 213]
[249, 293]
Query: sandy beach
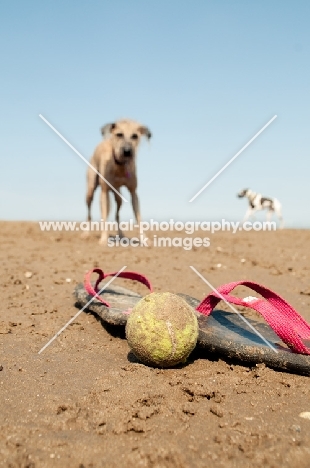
[87, 402]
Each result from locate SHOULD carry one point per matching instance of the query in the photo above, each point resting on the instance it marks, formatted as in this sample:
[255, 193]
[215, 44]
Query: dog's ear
[145, 132]
[107, 129]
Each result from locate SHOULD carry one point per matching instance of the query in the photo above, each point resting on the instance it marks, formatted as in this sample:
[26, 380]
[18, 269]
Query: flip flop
[283, 343]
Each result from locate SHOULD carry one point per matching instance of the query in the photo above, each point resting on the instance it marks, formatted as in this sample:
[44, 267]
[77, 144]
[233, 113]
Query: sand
[86, 402]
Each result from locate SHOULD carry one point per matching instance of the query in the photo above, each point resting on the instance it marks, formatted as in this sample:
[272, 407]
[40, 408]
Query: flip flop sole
[225, 333]
[222, 333]
[119, 298]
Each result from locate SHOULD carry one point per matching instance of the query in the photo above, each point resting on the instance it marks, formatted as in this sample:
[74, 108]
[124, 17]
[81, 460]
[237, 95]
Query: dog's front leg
[248, 214]
[269, 215]
[105, 207]
[119, 201]
[135, 205]
[92, 184]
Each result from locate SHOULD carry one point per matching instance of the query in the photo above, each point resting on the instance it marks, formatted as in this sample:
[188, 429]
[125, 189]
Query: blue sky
[205, 76]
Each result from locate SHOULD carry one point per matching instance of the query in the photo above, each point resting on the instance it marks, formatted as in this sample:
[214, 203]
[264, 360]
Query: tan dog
[115, 159]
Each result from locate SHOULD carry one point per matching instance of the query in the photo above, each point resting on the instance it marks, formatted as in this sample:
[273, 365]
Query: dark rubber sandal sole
[222, 333]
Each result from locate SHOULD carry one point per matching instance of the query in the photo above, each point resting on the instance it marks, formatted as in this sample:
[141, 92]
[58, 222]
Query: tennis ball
[162, 330]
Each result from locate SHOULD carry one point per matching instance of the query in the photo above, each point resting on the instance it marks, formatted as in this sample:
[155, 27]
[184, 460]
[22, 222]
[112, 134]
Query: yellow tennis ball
[162, 330]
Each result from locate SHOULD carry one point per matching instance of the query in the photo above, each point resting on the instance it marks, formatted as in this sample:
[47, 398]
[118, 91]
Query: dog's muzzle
[127, 151]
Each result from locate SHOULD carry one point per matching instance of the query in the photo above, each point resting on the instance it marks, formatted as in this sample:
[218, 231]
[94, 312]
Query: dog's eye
[119, 135]
[134, 136]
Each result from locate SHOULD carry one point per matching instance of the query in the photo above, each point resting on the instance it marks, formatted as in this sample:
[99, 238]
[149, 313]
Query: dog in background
[115, 159]
[257, 202]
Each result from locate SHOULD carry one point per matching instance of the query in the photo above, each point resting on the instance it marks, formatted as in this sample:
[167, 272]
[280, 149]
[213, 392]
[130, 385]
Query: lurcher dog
[257, 202]
[115, 160]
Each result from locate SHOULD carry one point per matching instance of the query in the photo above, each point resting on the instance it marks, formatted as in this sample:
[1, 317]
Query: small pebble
[217, 411]
[305, 415]
[295, 428]
[28, 274]
[68, 280]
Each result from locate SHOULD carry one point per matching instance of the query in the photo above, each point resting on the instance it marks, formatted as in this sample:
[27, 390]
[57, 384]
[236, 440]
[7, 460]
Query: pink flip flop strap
[281, 316]
[93, 291]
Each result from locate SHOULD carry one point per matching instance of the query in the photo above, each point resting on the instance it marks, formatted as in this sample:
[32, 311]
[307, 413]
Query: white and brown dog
[115, 160]
[257, 202]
